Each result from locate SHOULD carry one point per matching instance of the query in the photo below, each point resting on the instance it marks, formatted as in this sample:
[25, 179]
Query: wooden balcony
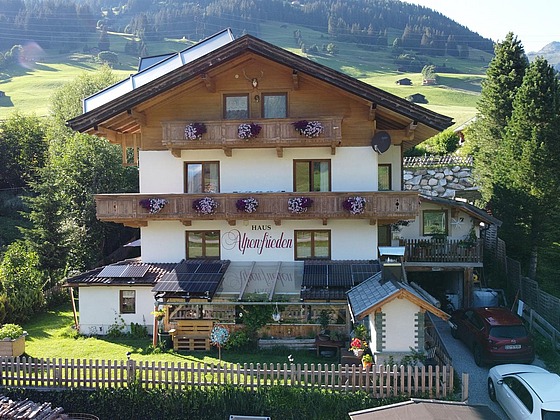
[275, 133]
[387, 206]
[425, 250]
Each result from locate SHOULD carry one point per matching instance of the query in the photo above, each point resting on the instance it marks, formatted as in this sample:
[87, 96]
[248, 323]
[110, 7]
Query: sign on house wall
[257, 239]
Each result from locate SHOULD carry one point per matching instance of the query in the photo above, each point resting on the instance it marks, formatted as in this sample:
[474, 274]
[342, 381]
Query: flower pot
[13, 348]
[366, 365]
[324, 337]
[358, 352]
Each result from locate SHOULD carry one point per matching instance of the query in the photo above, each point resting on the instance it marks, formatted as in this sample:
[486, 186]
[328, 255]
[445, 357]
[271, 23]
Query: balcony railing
[385, 205]
[278, 133]
[425, 250]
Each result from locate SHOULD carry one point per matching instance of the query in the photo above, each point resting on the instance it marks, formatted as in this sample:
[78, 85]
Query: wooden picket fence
[378, 380]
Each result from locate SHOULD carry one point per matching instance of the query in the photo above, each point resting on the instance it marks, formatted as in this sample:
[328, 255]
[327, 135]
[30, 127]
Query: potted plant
[358, 347]
[324, 320]
[12, 340]
[367, 361]
[469, 240]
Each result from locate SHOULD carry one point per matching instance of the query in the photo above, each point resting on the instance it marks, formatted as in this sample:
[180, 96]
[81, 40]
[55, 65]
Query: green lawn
[51, 336]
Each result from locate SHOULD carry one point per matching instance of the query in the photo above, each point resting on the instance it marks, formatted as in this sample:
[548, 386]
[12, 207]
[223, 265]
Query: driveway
[463, 362]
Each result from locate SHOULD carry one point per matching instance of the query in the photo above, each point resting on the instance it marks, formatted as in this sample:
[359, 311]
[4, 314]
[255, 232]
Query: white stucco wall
[99, 306]
[456, 231]
[165, 241]
[400, 331]
[352, 169]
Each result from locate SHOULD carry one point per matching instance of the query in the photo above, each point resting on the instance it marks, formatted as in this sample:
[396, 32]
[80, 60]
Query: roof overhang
[471, 210]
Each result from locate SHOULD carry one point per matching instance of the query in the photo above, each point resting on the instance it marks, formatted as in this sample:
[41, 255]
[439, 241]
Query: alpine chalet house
[264, 177]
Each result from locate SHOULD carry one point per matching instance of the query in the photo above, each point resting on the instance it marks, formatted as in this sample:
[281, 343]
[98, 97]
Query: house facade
[279, 197]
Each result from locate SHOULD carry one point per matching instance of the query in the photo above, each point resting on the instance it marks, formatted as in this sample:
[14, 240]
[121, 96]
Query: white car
[525, 391]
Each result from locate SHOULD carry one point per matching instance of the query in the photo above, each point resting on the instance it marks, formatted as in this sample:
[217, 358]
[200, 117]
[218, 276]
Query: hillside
[375, 43]
[551, 52]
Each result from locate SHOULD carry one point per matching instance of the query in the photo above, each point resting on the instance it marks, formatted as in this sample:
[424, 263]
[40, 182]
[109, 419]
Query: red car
[494, 335]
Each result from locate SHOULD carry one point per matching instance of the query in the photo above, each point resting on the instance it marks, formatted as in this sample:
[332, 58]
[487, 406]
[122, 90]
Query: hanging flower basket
[206, 205]
[248, 205]
[248, 131]
[153, 205]
[309, 128]
[194, 131]
[355, 205]
[299, 204]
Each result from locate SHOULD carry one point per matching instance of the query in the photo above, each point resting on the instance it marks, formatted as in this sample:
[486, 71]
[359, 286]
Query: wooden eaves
[248, 43]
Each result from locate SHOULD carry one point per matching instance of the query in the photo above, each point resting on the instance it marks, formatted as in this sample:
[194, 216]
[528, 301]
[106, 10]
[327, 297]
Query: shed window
[128, 301]
[434, 222]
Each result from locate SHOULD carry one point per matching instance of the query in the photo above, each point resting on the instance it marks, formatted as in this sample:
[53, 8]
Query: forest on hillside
[65, 24]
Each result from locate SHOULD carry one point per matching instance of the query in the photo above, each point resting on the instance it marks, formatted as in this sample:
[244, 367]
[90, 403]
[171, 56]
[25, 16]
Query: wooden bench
[192, 335]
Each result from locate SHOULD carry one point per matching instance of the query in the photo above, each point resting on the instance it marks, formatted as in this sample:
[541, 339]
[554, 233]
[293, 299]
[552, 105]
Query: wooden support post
[295, 79]
[228, 152]
[209, 82]
[280, 152]
[186, 222]
[154, 338]
[372, 112]
[465, 387]
[231, 222]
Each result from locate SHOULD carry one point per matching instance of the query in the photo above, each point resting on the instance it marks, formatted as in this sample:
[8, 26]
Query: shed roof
[466, 207]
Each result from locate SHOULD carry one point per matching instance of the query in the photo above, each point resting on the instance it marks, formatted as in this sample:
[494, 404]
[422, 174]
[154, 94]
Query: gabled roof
[466, 207]
[379, 290]
[261, 48]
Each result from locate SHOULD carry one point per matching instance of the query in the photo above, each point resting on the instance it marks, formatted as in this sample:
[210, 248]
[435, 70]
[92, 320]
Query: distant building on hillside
[429, 82]
[417, 98]
[406, 81]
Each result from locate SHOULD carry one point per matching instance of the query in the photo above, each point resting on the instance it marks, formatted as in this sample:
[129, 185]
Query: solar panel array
[192, 278]
[120, 271]
[337, 275]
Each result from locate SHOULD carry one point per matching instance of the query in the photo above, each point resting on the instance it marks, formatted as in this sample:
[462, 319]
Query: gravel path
[463, 362]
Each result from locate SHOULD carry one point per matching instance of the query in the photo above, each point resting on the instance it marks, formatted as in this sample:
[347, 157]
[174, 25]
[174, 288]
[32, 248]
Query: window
[236, 107]
[475, 320]
[312, 175]
[202, 177]
[313, 244]
[128, 301]
[520, 391]
[384, 235]
[434, 222]
[203, 244]
[274, 105]
[384, 177]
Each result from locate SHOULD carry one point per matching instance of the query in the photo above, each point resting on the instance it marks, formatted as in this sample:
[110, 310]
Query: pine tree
[103, 43]
[503, 78]
[527, 177]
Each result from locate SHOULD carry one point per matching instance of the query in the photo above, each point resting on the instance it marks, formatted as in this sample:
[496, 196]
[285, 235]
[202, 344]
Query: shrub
[12, 331]
[108, 57]
[238, 340]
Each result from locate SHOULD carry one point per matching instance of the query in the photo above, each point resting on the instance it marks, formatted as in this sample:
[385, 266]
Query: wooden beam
[136, 223]
[409, 131]
[372, 112]
[231, 222]
[176, 153]
[186, 222]
[209, 82]
[228, 151]
[280, 152]
[277, 222]
[372, 222]
[138, 116]
[333, 149]
[108, 133]
[325, 222]
[295, 80]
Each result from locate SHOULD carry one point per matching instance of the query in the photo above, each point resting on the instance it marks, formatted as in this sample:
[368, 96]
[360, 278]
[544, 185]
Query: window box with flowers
[194, 131]
[206, 205]
[153, 205]
[299, 204]
[309, 128]
[355, 205]
[248, 131]
[248, 205]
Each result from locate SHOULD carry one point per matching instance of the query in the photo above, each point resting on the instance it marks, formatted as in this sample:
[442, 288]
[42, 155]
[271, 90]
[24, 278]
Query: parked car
[494, 335]
[525, 391]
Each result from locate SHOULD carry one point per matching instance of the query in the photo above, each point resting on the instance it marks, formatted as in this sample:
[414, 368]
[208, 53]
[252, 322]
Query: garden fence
[377, 380]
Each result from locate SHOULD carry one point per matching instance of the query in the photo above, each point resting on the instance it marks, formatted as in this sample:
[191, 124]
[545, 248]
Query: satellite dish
[381, 142]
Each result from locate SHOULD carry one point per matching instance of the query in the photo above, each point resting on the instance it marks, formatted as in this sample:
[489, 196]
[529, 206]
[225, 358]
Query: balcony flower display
[299, 204]
[309, 128]
[248, 131]
[358, 347]
[206, 205]
[248, 205]
[355, 205]
[194, 131]
[153, 205]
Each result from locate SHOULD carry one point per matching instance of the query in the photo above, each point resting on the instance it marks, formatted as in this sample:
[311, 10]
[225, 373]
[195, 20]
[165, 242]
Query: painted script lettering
[235, 239]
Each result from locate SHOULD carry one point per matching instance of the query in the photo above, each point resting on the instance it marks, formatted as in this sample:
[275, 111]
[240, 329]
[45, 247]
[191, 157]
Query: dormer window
[236, 107]
[274, 105]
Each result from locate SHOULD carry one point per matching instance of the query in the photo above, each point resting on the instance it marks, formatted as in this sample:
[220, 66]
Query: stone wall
[438, 181]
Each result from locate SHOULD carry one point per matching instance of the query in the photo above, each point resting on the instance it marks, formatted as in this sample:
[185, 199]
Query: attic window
[274, 105]
[236, 107]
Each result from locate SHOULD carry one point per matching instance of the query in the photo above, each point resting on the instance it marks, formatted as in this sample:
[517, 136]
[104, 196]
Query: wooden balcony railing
[425, 250]
[384, 205]
[275, 133]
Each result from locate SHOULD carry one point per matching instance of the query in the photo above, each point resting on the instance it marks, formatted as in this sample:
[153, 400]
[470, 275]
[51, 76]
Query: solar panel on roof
[316, 280]
[340, 280]
[209, 268]
[340, 269]
[185, 267]
[314, 269]
[134, 271]
[112, 271]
